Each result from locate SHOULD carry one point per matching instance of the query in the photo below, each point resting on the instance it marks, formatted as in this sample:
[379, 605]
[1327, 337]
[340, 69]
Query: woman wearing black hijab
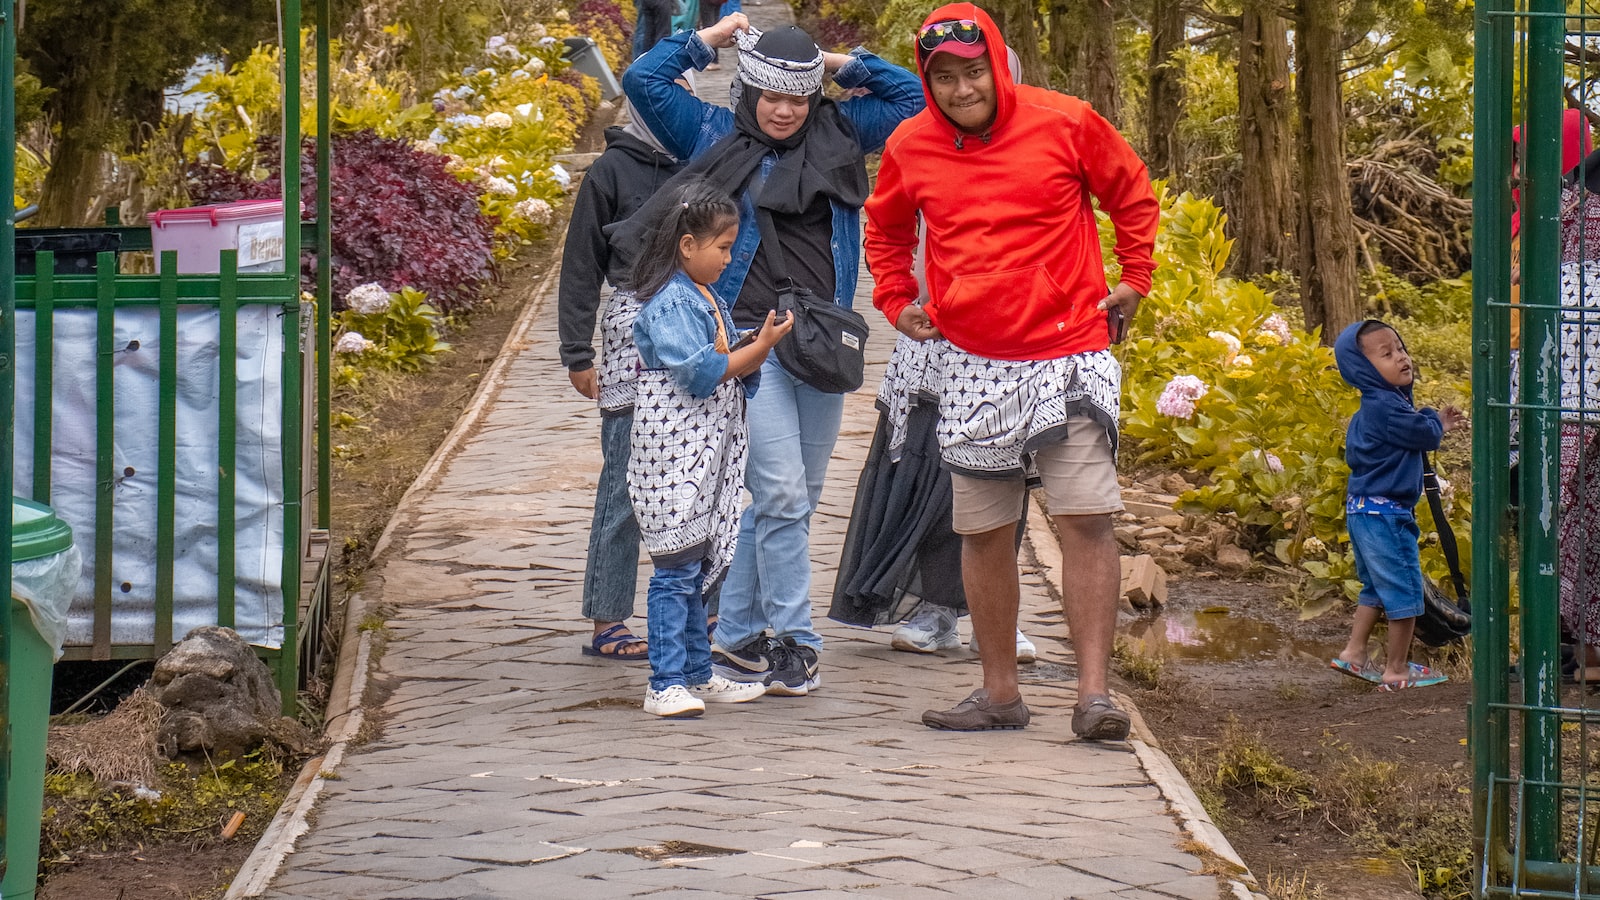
[798, 157]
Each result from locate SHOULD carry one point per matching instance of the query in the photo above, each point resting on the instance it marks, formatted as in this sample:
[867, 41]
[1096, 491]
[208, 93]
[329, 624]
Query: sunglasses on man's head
[964, 30]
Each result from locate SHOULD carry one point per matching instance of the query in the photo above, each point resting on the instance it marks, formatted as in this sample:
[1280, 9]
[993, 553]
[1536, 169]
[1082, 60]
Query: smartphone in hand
[745, 340]
[1116, 324]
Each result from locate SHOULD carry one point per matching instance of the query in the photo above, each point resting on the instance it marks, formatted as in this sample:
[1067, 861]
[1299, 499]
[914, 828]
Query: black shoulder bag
[1443, 621]
[827, 348]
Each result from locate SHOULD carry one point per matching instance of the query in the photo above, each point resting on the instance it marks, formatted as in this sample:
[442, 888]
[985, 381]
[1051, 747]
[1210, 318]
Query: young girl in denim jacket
[686, 471]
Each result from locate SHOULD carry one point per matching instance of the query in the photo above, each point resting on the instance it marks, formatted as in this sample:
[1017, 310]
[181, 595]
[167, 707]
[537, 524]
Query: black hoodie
[619, 182]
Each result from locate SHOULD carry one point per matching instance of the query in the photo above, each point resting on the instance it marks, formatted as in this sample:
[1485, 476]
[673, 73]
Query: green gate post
[8, 343]
[324, 264]
[1540, 439]
[1491, 278]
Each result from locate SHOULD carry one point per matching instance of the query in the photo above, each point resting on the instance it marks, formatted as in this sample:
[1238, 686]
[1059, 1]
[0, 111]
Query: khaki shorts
[1079, 475]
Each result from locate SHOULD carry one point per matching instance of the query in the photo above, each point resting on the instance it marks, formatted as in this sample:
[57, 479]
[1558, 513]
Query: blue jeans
[680, 652]
[611, 573]
[1387, 562]
[793, 428]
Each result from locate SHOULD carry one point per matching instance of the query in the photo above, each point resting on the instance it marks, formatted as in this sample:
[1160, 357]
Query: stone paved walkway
[507, 765]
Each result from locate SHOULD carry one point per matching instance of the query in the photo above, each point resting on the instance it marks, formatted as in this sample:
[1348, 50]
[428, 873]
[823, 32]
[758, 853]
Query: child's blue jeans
[680, 651]
[1387, 561]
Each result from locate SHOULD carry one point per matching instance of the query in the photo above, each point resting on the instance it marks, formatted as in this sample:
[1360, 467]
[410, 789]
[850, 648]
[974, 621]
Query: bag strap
[769, 244]
[1447, 535]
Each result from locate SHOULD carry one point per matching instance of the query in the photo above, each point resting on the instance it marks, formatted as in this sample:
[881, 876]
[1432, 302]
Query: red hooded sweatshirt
[1014, 268]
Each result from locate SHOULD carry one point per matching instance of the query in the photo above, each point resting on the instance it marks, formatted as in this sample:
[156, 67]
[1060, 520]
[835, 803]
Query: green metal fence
[1534, 738]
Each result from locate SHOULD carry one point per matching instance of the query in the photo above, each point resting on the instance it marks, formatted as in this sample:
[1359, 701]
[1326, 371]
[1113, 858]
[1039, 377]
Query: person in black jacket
[630, 170]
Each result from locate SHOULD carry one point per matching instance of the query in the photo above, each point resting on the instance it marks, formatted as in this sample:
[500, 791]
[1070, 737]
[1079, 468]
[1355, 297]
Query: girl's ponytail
[699, 208]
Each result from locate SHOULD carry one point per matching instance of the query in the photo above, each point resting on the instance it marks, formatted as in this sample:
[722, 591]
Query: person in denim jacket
[686, 468]
[801, 157]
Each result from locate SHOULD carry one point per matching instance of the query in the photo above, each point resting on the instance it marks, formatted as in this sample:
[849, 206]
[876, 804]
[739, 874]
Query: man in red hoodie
[1002, 176]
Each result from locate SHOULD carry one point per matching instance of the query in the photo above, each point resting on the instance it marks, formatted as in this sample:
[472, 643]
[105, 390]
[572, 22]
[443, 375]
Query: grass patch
[1139, 668]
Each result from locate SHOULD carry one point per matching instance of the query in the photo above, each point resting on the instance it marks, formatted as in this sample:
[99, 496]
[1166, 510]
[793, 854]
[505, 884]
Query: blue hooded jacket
[1388, 435]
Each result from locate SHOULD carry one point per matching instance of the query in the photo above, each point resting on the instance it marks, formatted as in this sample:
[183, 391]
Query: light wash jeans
[793, 428]
[611, 573]
[680, 652]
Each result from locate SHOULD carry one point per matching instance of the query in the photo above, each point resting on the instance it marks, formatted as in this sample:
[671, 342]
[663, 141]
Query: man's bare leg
[1089, 547]
[990, 576]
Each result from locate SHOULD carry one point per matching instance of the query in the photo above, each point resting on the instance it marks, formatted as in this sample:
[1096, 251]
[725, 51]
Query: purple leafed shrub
[602, 13]
[399, 217]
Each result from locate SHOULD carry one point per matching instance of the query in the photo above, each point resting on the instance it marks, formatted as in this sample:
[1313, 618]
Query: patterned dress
[619, 358]
[686, 471]
[1579, 564]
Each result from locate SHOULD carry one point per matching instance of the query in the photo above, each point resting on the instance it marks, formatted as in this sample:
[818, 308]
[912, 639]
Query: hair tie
[684, 204]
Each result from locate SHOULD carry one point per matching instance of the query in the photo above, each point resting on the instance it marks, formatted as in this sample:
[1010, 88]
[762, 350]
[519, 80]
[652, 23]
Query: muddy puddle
[1217, 634]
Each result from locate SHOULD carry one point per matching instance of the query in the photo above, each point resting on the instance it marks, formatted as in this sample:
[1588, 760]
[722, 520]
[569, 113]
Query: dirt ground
[1305, 768]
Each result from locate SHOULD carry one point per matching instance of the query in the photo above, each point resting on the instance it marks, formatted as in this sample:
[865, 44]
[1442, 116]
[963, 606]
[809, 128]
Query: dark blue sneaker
[796, 669]
[754, 662]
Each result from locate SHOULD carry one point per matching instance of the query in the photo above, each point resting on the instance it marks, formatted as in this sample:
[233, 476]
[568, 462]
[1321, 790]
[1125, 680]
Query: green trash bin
[44, 573]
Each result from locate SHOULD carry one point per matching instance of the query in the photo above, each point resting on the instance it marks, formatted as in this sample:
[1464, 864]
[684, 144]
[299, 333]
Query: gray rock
[220, 699]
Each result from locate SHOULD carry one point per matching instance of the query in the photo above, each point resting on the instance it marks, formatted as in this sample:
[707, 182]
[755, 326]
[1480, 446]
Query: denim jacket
[677, 331]
[688, 126]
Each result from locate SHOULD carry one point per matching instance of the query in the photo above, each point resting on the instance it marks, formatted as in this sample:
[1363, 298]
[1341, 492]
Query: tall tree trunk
[1100, 60]
[1164, 151]
[1329, 291]
[1017, 21]
[1264, 220]
[73, 181]
[1065, 29]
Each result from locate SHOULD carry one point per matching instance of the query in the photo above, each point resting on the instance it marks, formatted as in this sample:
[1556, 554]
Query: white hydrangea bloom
[535, 210]
[352, 342]
[1278, 327]
[499, 187]
[525, 109]
[561, 175]
[497, 120]
[367, 299]
[534, 66]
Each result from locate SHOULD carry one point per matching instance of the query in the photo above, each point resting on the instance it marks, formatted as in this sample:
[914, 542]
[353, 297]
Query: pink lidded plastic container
[201, 233]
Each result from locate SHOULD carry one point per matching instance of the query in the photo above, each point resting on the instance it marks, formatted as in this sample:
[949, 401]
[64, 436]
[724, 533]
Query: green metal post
[8, 340]
[1491, 277]
[324, 352]
[293, 360]
[167, 452]
[44, 360]
[1541, 293]
[227, 435]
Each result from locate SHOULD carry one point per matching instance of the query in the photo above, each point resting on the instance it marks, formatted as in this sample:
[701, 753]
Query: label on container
[261, 243]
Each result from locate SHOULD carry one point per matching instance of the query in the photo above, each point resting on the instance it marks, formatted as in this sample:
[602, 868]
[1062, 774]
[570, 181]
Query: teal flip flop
[1368, 673]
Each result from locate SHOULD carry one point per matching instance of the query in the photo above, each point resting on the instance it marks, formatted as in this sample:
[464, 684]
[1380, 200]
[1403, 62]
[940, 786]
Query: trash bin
[587, 58]
[77, 251]
[44, 575]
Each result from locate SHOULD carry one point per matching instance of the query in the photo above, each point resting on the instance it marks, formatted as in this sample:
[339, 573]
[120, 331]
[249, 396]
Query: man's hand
[721, 34]
[915, 324]
[587, 382]
[833, 62]
[1124, 298]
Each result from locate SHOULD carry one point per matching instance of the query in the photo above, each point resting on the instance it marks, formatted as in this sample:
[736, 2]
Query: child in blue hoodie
[1384, 446]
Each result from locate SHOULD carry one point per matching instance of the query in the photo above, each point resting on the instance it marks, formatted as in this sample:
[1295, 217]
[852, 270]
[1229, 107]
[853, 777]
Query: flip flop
[616, 643]
[1421, 676]
[1367, 673]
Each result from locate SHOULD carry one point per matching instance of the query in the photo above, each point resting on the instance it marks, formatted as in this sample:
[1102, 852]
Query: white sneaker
[674, 700]
[722, 690]
[929, 629]
[1026, 651]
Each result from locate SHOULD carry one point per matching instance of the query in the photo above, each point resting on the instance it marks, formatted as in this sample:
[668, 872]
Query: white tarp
[258, 594]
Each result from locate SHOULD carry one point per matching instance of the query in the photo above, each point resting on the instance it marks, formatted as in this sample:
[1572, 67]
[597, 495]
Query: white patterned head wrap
[785, 60]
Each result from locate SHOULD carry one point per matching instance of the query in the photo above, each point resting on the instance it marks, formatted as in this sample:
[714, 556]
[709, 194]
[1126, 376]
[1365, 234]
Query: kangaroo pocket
[1004, 314]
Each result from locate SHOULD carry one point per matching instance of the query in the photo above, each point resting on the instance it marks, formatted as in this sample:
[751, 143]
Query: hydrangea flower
[437, 137]
[367, 299]
[1178, 397]
[494, 43]
[1313, 547]
[1243, 361]
[1268, 460]
[464, 91]
[524, 109]
[489, 71]
[1229, 341]
[519, 75]
[499, 187]
[561, 175]
[497, 120]
[535, 66]
[464, 121]
[534, 210]
[537, 32]
[1275, 330]
[352, 342]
